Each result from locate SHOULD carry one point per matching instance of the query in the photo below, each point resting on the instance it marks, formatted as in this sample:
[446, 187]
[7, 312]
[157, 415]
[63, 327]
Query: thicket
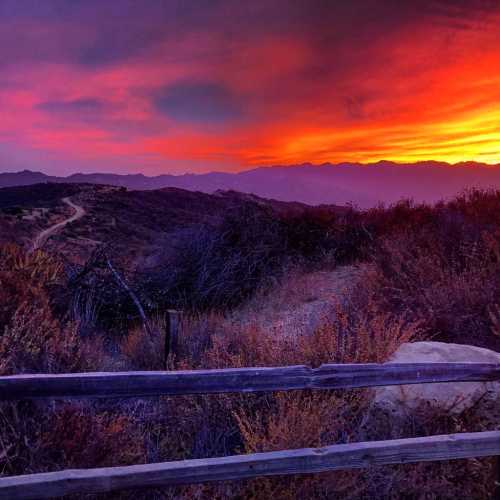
[36, 195]
[431, 273]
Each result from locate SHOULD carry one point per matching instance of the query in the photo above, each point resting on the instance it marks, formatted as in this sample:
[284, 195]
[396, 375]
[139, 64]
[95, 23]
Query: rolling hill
[137, 224]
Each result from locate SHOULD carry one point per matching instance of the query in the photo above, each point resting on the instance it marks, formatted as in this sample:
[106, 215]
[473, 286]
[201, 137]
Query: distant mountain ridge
[344, 183]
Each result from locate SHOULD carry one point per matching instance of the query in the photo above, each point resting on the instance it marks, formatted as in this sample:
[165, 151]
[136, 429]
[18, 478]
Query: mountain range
[341, 184]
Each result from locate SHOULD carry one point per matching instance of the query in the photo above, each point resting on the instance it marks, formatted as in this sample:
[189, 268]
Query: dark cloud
[76, 105]
[11, 10]
[109, 48]
[199, 102]
[96, 33]
[82, 110]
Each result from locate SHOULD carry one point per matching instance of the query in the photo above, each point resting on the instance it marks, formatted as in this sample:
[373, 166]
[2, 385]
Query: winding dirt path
[42, 237]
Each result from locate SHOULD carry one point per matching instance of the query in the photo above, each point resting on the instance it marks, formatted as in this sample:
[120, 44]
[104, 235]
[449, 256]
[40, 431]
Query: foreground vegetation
[429, 273]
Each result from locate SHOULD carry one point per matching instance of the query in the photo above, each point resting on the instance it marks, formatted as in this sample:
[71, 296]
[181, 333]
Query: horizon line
[469, 163]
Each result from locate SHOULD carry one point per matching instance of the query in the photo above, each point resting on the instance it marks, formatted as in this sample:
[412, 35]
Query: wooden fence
[335, 457]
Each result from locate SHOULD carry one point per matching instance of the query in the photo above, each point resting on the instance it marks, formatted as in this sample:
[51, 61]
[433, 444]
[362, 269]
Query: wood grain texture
[330, 376]
[307, 460]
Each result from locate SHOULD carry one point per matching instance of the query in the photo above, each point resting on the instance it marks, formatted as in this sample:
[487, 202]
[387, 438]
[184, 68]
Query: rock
[452, 396]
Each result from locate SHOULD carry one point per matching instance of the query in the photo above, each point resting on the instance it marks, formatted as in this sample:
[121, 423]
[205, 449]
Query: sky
[174, 86]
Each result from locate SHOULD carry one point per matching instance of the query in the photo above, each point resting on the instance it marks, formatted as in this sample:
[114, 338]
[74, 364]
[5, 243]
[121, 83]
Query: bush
[451, 284]
[32, 338]
[218, 268]
[15, 210]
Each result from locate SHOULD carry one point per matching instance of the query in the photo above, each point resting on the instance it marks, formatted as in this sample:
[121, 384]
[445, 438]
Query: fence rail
[329, 376]
[300, 461]
[307, 460]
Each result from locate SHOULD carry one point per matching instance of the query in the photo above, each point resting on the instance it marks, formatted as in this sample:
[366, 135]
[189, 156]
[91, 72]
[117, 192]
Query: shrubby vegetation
[37, 195]
[217, 268]
[430, 273]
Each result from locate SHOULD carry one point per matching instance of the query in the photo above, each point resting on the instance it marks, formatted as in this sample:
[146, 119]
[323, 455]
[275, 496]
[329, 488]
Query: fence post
[171, 333]
[496, 494]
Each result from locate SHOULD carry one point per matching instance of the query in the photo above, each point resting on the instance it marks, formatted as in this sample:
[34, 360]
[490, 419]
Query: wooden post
[496, 494]
[171, 333]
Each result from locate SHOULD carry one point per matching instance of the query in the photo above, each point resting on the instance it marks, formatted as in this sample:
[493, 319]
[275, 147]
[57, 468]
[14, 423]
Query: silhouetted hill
[363, 185]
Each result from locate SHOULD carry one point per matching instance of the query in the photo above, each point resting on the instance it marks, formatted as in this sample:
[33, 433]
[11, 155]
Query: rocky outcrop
[453, 397]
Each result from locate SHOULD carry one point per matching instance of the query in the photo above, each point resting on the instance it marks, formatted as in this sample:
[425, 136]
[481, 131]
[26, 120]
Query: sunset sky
[185, 85]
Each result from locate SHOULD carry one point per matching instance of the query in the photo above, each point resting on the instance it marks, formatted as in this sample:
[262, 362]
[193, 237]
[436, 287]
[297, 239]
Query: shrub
[14, 210]
[32, 338]
[39, 437]
[25, 279]
[451, 287]
[218, 268]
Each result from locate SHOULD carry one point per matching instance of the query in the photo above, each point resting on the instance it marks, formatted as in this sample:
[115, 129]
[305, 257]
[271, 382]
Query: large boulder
[452, 396]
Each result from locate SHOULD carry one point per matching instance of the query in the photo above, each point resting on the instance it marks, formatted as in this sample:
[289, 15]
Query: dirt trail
[300, 303]
[42, 237]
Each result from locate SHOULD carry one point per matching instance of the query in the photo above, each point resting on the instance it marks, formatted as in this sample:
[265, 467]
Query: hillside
[27, 210]
[259, 283]
[136, 224]
[362, 185]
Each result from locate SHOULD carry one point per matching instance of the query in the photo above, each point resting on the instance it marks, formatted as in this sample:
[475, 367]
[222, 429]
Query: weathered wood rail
[285, 378]
[300, 461]
[306, 460]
